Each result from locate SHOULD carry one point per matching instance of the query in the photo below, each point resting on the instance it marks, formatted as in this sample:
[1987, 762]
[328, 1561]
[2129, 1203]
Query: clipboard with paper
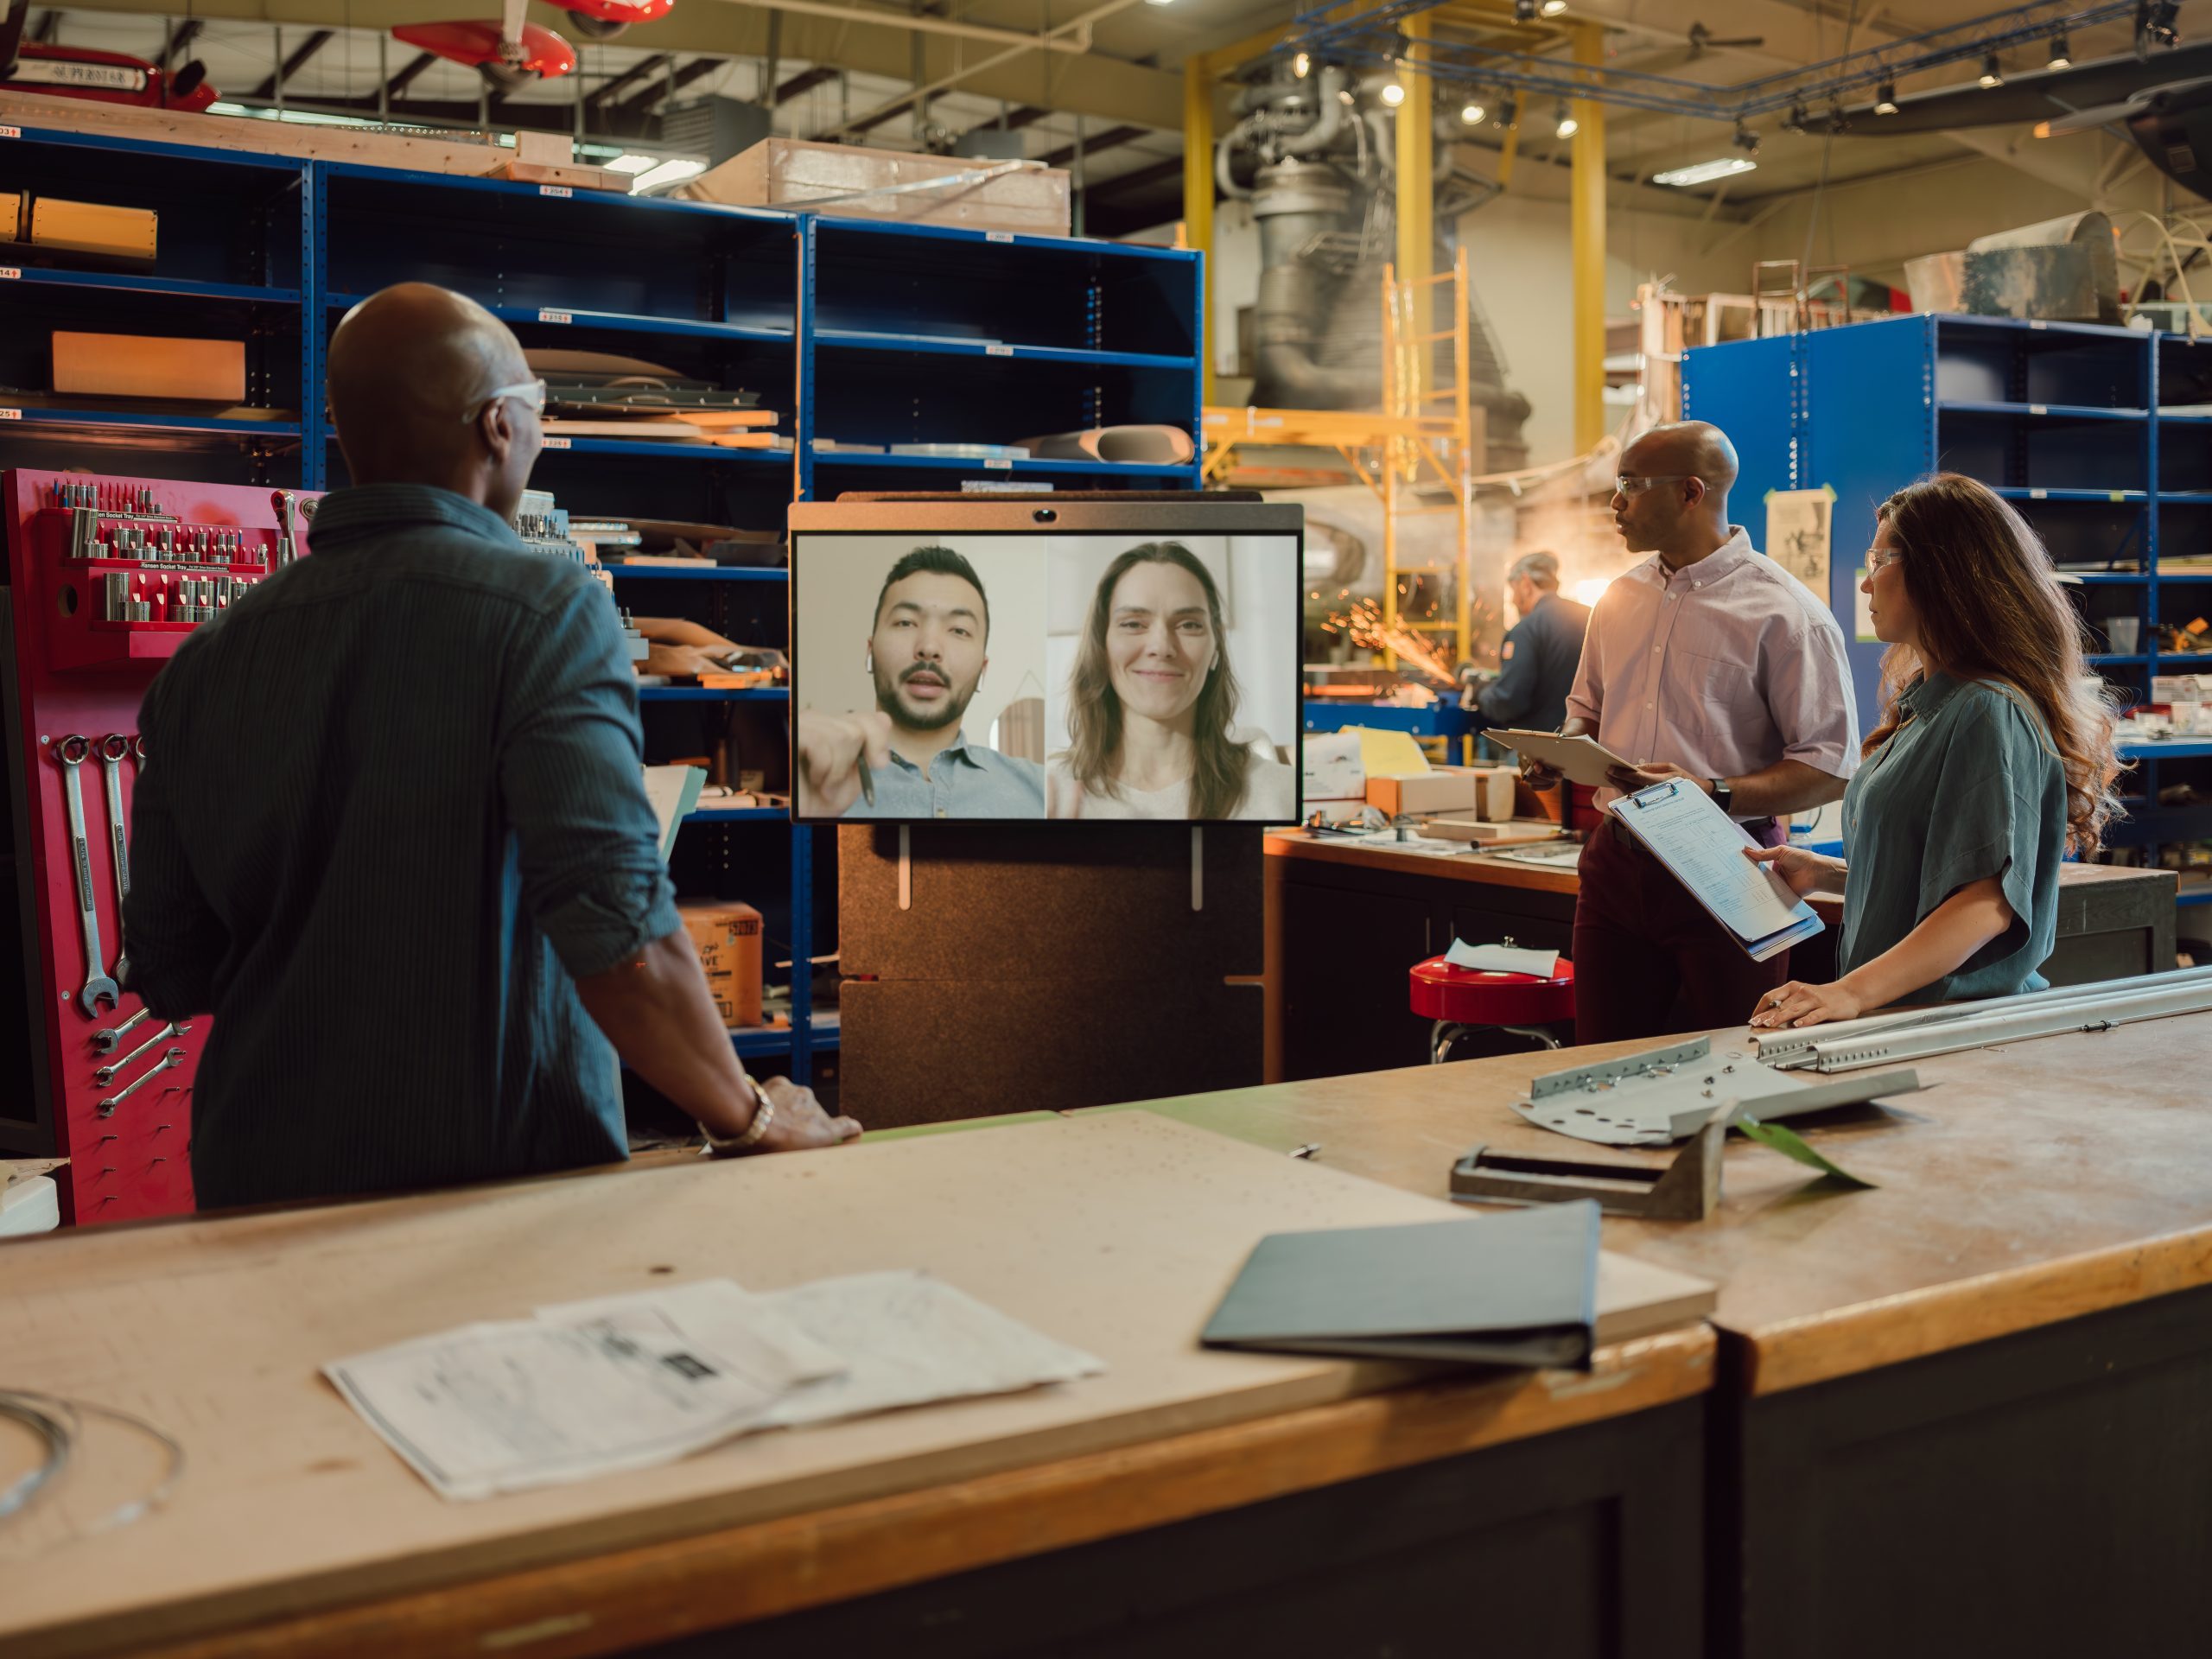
[1702, 848]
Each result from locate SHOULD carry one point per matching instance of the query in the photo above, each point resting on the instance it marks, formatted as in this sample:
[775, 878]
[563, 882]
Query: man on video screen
[909, 758]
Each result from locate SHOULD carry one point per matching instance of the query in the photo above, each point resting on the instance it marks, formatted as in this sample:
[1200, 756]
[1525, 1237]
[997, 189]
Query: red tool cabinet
[106, 575]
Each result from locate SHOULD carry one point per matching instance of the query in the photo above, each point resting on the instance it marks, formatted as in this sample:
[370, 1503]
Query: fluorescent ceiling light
[1723, 167]
[632, 164]
[667, 173]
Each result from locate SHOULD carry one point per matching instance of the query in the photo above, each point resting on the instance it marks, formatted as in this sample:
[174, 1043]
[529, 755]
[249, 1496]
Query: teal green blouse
[1968, 787]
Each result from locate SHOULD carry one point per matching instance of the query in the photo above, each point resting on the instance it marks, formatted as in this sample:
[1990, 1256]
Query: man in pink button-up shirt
[1711, 664]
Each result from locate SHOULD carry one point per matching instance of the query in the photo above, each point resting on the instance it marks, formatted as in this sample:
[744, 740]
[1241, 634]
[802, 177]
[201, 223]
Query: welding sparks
[1367, 627]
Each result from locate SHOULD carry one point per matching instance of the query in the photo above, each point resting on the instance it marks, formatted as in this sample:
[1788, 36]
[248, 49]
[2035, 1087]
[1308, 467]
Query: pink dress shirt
[1722, 668]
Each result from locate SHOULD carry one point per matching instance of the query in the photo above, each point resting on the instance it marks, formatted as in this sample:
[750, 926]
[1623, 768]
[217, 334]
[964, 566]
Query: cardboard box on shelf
[129, 234]
[726, 936]
[1440, 788]
[142, 365]
[1494, 793]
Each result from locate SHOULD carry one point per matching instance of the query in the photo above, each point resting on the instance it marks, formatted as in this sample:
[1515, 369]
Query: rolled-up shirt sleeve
[1586, 701]
[1808, 693]
[571, 781]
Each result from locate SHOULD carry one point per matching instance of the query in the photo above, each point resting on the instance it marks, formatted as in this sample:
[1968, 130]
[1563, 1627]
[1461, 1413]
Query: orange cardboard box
[726, 936]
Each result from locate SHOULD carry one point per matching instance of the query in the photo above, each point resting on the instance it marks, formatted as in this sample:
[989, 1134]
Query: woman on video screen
[1151, 705]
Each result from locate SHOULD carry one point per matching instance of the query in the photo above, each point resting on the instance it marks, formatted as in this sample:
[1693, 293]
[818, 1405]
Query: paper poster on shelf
[1798, 526]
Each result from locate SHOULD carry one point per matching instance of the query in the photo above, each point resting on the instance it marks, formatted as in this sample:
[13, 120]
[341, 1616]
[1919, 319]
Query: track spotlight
[1508, 112]
[1569, 126]
[2059, 57]
[1301, 65]
[1991, 76]
[1886, 98]
[1524, 11]
[1393, 94]
[1471, 112]
[1552, 7]
[1746, 140]
[1795, 121]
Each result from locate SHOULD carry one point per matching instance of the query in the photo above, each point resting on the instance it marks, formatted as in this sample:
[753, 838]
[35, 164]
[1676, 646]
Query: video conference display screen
[1114, 662]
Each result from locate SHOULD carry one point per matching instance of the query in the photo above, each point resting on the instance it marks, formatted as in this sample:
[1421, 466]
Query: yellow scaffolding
[1406, 452]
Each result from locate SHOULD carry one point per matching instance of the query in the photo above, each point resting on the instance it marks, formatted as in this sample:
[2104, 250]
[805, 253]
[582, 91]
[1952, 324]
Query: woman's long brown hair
[1990, 608]
[1095, 712]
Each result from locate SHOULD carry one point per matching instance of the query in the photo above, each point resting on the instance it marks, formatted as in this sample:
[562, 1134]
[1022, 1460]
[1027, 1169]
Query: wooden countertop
[2036, 1182]
[1493, 871]
[295, 1530]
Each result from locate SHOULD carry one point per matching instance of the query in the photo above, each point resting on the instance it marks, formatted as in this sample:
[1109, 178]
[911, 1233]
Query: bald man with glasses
[1709, 666]
[393, 831]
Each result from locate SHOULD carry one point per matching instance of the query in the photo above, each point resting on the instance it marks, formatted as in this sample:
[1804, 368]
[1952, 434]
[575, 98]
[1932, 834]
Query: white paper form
[904, 1338]
[1704, 848]
[503, 1408]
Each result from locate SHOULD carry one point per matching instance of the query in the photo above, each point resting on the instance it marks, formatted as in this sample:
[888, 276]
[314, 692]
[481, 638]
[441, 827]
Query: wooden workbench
[1968, 1412]
[1302, 1504]
[1344, 923]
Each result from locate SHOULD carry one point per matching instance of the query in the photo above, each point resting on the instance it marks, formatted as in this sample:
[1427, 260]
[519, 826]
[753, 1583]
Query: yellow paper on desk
[1383, 754]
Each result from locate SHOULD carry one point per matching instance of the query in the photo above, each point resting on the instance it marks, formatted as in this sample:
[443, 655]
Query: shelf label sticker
[555, 316]
[2038, 495]
[998, 236]
[11, 132]
[2036, 325]
[998, 351]
[999, 466]
[2039, 408]
[11, 414]
[2116, 495]
[562, 191]
[556, 443]
[10, 274]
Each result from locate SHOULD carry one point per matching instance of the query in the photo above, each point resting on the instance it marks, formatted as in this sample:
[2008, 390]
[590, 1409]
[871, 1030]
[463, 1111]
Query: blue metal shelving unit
[870, 332]
[2075, 424]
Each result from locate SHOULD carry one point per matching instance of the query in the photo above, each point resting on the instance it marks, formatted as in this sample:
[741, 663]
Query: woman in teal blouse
[1994, 760]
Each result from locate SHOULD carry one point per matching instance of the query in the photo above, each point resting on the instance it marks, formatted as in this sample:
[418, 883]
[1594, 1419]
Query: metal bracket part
[1657, 1098]
[1688, 1189]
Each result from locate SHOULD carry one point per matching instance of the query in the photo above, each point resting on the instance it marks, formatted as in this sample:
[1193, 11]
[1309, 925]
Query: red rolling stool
[1461, 1000]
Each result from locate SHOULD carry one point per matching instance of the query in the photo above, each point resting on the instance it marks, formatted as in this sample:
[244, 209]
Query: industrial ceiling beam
[181, 37]
[295, 61]
[1098, 86]
[1092, 144]
[409, 73]
[697, 69]
[1137, 178]
[805, 81]
[629, 78]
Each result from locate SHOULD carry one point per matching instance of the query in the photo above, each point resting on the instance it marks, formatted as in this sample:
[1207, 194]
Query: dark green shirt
[1968, 787]
[392, 802]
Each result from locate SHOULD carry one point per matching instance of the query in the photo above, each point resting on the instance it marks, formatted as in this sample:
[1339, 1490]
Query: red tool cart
[106, 577]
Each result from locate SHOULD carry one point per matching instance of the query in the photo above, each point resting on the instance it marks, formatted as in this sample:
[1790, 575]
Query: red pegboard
[80, 672]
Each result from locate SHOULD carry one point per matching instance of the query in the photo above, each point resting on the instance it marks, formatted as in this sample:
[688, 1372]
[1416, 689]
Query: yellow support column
[1587, 214]
[1197, 196]
[1416, 198]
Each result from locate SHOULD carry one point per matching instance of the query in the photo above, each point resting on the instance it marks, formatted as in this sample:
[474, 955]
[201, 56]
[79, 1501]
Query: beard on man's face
[932, 716]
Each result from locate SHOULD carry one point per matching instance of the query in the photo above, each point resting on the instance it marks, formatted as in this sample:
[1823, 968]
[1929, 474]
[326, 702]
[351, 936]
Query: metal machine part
[1322, 194]
[1917, 1034]
[1688, 1189]
[1660, 1096]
